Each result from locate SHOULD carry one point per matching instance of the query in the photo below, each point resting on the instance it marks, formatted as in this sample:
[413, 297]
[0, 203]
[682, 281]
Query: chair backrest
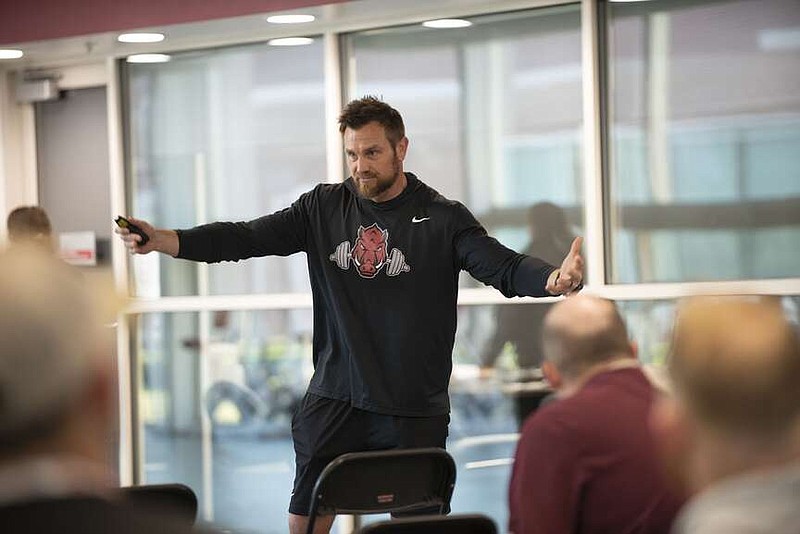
[396, 480]
[175, 500]
[452, 524]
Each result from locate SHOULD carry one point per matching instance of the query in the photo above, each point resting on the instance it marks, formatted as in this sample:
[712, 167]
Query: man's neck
[572, 386]
[719, 457]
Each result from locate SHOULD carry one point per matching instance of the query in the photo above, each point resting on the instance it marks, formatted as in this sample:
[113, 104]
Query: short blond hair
[28, 222]
[735, 363]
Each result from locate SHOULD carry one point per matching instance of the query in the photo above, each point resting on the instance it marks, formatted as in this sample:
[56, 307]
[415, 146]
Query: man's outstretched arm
[161, 240]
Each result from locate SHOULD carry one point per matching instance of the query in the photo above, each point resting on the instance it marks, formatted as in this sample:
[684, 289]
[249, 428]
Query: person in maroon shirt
[586, 463]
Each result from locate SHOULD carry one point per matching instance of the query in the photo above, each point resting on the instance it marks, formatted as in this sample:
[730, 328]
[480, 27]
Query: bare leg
[298, 524]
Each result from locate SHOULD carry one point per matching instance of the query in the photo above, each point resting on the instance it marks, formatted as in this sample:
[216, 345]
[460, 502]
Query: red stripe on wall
[38, 20]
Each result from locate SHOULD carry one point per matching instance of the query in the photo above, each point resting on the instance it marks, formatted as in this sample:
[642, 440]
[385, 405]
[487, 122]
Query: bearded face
[375, 163]
[372, 183]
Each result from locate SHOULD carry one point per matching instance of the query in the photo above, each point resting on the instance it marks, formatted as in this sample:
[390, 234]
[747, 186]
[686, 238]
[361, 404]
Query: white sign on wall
[78, 248]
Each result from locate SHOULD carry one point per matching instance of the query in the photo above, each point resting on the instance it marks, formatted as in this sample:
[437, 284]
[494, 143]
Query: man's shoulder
[755, 503]
[597, 406]
[588, 403]
[323, 194]
[438, 204]
[556, 418]
[325, 189]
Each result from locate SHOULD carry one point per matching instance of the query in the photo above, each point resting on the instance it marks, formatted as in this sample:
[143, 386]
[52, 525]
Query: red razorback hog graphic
[369, 255]
[369, 251]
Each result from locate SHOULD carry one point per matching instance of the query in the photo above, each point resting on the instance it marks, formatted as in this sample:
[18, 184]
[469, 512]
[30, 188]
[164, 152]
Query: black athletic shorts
[324, 428]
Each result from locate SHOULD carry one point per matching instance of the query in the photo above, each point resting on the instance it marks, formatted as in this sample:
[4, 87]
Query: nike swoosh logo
[415, 220]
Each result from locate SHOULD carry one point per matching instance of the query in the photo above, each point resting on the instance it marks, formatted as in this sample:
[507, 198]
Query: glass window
[705, 140]
[493, 113]
[705, 185]
[225, 134]
[223, 386]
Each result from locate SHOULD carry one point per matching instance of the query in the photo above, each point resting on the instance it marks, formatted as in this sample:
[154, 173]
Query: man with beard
[384, 253]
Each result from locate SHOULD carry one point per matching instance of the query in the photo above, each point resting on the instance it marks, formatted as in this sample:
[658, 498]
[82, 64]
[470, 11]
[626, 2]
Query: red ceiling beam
[38, 20]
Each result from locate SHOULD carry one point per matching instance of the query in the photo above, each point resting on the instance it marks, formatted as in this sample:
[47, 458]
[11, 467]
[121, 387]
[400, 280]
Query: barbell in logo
[368, 254]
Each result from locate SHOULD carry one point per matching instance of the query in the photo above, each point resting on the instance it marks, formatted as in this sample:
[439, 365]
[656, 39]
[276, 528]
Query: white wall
[17, 149]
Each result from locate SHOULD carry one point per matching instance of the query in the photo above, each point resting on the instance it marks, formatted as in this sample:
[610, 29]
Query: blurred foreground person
[586, 463]
[57, 404]
[732, 432]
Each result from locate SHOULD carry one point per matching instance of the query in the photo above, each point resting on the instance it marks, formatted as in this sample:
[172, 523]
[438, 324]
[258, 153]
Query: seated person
[586, 463]
[732, 430]
[57, 405]
[30, 225]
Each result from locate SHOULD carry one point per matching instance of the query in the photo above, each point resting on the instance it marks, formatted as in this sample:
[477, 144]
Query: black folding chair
[396, 480]
[174, 500]
[453, 524]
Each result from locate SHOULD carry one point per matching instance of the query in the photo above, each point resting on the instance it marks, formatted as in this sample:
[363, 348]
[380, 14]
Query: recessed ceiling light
[290, 19]
[140, 37]
[776, 39]
[290, 41]
[148, 58]
[447, 23]
[10, 53]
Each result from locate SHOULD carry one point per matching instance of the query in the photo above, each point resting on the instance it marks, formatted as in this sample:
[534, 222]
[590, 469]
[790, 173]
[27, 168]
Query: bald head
[736, 366]
[581, 332]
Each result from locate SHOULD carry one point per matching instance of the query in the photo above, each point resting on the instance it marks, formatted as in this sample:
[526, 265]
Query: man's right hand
[165, 241]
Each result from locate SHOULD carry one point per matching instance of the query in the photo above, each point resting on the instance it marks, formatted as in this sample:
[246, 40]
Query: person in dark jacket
[384, 253]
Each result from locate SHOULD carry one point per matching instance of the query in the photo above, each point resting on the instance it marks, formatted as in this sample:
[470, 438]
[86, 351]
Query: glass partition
[225, 134]
[493, 113]
[216, 394]
[705, 140]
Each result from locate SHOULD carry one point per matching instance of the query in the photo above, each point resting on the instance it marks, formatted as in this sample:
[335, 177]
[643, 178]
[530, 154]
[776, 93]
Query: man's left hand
[569, 278]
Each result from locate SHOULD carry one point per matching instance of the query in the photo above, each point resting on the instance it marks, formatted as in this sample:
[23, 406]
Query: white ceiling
[343, 17]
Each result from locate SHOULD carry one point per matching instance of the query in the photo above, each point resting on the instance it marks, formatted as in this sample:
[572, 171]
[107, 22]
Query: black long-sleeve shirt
[384, 281]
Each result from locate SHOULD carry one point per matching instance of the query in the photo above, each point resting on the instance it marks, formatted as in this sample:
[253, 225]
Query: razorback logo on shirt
[369, 253]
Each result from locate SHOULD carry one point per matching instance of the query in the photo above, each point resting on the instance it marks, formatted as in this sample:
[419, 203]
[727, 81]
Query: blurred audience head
[581, 334]
[735, 368]
[56, 382]
[30, 225]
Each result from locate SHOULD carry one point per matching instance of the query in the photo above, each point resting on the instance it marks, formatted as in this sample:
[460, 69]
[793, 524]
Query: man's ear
[634, 349]
[552, 375]
[401, 148]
